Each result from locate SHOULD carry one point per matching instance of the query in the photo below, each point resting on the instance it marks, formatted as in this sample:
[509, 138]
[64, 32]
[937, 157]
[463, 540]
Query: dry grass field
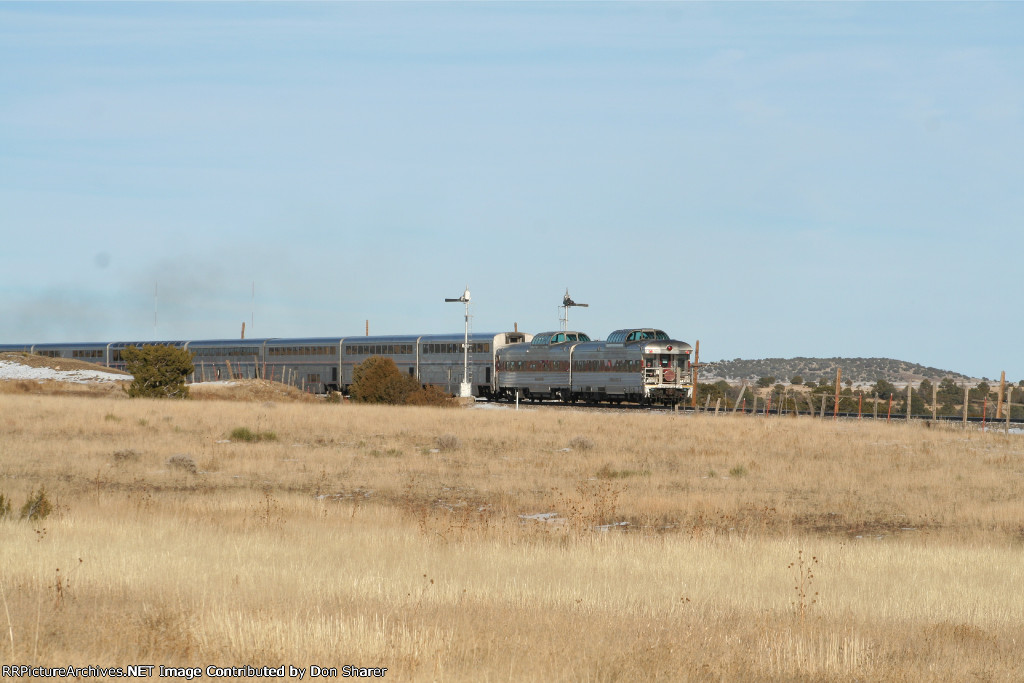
[681, 547]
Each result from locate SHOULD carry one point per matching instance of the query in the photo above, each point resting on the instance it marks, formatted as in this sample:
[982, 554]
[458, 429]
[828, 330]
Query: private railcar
[538, 370]
[639, 365]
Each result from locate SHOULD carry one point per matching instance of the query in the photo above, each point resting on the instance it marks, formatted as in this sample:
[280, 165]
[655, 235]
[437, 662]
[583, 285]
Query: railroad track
[761, 413]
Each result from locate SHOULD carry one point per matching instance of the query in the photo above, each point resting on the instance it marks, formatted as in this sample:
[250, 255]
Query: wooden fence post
[695, 365]
[1002, 390]
[823, 406]
[743, 387]
[1008, 411]
[839, 378]
[876, 405]
[910, 398]
[935, 401]
[967, 398]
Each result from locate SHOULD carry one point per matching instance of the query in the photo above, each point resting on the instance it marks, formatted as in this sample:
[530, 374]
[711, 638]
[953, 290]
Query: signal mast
[567, 303]
[465, 390]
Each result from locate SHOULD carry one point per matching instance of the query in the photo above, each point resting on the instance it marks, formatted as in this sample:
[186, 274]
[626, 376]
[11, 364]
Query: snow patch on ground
[17, 371]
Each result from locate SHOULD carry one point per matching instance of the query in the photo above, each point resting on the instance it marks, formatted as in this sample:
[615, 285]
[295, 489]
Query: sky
[772, 179]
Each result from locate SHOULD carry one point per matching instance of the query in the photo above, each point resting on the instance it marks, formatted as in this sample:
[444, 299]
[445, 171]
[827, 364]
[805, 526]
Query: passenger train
[637, 365]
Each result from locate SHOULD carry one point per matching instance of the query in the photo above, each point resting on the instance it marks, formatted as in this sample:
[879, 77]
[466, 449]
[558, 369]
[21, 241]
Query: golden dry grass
[753, 549]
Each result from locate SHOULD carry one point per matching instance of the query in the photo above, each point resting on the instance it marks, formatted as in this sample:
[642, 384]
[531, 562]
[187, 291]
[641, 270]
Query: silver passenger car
[639, 365]
[538, 370]
[436, 359]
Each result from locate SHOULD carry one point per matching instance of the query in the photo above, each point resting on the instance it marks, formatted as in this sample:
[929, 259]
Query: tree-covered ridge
[813, 369]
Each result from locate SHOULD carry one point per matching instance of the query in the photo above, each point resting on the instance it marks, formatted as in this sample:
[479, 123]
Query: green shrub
[378, 380]
[37, 506]
[430, 395]
[158, 371]
[246, 434]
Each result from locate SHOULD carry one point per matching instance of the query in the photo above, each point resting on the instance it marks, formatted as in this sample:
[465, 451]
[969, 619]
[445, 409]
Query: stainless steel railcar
[640, 365]
[316, 364]
[434, 359]
[538, 370]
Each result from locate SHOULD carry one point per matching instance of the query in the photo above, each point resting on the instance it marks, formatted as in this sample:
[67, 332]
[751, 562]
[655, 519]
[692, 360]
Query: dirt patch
[34, 361]
[51, 387]
[77, 381]
[248, 390]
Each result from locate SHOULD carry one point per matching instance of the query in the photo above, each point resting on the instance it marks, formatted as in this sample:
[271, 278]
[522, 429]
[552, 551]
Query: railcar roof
[229, 342]
[459, 336]
[545, 338]
[68, 345]
[643, 333]
[122, 344]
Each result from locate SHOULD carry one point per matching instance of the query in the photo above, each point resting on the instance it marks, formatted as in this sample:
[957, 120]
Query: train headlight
[668, 348]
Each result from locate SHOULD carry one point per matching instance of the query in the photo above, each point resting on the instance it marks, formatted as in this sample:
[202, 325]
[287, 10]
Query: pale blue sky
[774, 179]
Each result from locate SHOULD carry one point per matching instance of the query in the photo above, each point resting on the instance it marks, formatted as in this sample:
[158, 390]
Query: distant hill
[860, 370]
